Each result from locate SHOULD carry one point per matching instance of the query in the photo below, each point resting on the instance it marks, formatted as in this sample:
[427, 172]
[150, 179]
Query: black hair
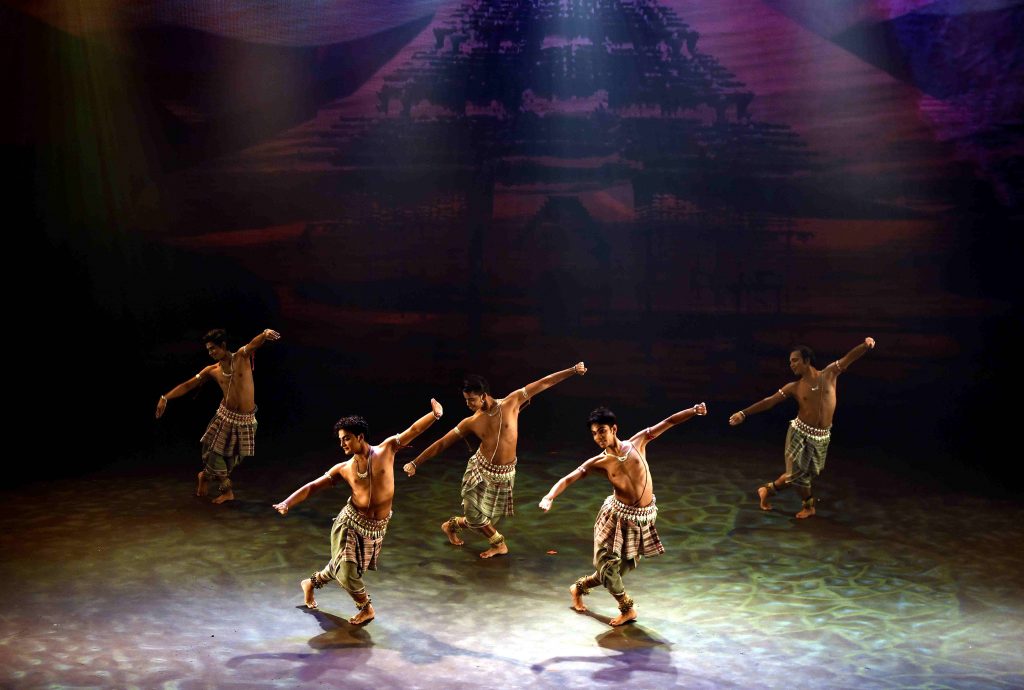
[601, 415]
[217, 336]
[806, 353]
[354, 424]
[473, 383]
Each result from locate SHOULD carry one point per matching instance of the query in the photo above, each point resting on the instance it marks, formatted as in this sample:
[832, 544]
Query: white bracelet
[164, 398]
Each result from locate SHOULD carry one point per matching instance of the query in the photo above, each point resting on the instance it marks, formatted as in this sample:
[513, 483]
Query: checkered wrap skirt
[488, 487]
[230, 434]
[627, 531]
[806, 447]
[357, 539]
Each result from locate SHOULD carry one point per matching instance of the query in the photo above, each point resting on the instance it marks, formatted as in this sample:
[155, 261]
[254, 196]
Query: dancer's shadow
[338, 632]
[638, 650]
[339, 635]
[355, 645]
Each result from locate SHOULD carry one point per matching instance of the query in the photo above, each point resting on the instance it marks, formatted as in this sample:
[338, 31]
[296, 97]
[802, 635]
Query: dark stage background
[674, 192]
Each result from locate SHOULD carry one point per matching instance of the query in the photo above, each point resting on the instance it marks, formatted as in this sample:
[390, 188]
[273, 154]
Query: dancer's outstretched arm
[768, 403]
[419, 426]
[306, 490]
[437, 447]
[855, 354]
[563, 483]
[183, 388]
[642, 438]
[257, 342]
[541, 385]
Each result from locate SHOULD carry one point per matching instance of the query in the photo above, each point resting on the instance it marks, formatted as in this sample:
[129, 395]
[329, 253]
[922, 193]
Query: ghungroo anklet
[317, 580]
[581, 587]
[625, 603]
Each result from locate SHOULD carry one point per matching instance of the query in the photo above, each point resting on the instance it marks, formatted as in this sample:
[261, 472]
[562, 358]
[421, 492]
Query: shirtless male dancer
[230, 436]
[624, 530]
[809, 434]
[358, 532]
[490, 475]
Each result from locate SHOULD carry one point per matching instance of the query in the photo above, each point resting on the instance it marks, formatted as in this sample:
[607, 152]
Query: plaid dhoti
[355, 538]
[230, 434]
[622, 535]
[806, 447]
[487, 490]
[627, 531]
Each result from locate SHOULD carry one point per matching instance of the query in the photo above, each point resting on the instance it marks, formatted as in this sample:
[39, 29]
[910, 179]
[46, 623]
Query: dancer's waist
[503, 471]
[363, 524]
[236, 417]
[810, 430]
[636, 514]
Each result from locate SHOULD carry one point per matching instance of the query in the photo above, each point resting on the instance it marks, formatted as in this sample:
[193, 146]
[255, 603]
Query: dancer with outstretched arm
[811, 431]
[358, 532]
[624, 530]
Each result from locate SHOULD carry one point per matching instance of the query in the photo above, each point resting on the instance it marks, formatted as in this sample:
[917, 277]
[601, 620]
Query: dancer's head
[351, 431]
[800, 358]
[475, 390]
[216, 343]
[603, 427]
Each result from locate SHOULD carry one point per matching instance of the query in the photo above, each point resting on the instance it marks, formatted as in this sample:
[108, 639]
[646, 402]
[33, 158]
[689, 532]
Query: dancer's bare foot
[201, 484]
[762, 494]
[453, 536]
[805, 513]
[364, 616]
[307, 593]
[225, 497]
[499, 550]
[577, 599]
[623, 618]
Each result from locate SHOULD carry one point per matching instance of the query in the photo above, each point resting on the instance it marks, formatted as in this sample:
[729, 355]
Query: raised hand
[281, 507]
[436, 407]
[869, 343]
[410, 468]
[545, 503]
[580, 368]
[700, 409]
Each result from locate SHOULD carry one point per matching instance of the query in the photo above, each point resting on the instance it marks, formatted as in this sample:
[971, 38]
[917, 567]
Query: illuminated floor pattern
[129, 581]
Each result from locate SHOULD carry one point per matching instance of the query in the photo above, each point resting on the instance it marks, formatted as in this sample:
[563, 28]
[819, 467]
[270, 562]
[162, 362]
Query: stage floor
[126, 580]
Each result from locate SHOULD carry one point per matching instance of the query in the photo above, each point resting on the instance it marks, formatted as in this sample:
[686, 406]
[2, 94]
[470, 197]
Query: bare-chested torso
[237, 388]
[372, 495]
[498, 434]
[630, 478]
[816, 398]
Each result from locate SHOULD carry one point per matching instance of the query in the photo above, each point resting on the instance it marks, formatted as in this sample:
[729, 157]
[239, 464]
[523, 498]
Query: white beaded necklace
[624, 456]
[369, 457]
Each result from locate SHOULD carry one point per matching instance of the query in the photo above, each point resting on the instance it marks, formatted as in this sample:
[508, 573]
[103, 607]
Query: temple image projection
[534, 343]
